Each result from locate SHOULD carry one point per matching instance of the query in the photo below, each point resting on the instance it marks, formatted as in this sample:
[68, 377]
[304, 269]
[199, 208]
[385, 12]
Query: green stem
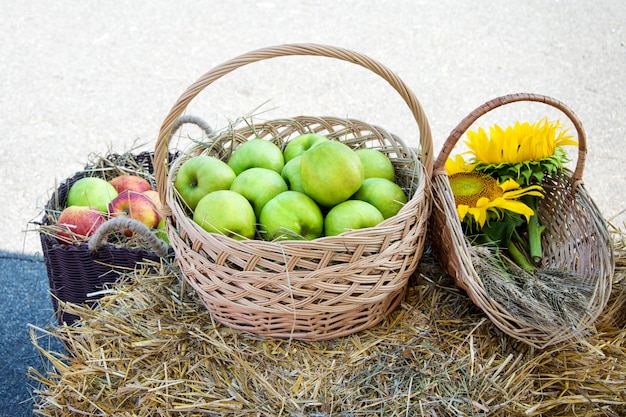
[519, 257]
[534, 233]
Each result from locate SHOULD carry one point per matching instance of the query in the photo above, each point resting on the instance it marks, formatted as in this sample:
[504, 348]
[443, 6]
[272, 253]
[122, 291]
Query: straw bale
[149, 348]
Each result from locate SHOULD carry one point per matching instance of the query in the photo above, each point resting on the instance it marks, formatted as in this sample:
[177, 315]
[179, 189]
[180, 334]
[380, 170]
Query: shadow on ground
[24, 301]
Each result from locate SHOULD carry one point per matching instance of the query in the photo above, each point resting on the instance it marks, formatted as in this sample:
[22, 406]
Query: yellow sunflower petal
[509, 184]
[534, 190]
[512, 205]
[480, 215]
[458, 164]
[483, 202]
[563, 139]
[496, 146]
[532, 148]
[477, 143]
[510, 151]
[462, 210]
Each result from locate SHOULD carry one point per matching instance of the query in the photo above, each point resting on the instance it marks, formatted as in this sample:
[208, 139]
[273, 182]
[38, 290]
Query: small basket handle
[189, 119]
[117, 224]
[162, 143]
[577, 177]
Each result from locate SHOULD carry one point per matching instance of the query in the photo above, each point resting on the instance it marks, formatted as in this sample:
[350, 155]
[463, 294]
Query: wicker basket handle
[117, 224]
[162, 144]
[577, 177]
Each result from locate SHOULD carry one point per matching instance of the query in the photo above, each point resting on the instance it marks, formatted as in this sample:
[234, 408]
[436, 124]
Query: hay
[151, 349]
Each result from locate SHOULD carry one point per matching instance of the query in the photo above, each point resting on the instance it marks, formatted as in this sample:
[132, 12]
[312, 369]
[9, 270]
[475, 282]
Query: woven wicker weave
[74, 271]
[576, 237]
[310, 290]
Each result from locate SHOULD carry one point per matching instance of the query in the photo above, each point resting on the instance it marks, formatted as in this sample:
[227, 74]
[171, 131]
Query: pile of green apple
[93, 200]
[313, 187]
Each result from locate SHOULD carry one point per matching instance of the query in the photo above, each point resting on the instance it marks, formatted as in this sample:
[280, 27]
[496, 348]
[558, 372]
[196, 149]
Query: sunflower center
[469, 187]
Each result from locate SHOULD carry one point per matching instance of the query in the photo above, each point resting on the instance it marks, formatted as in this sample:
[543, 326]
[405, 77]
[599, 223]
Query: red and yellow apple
[131, 183]
[78, 223]
[137, 206]
[155, 197]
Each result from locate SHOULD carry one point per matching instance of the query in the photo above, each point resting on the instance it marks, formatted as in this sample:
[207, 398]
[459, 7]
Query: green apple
[387, 196]
[330, 173]
[376, 164]
[200, 175]
[291, 174]
[257, 153]
[226, 212]
[161, 231]
[351, 215]
[291, 215]
[259, 185]
[299, 144]
[91, 192]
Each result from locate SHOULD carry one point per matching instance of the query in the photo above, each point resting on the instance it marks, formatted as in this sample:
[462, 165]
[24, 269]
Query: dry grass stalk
[151, 349]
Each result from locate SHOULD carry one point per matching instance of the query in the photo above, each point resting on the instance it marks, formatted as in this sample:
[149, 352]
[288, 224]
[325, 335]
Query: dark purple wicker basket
[75, 272]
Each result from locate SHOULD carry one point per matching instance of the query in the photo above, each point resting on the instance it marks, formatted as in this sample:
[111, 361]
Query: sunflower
[523, 151]
[483, 197]
[521, 142]
[458, 164]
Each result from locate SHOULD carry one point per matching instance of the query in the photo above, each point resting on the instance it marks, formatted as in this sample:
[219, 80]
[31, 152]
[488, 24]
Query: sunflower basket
[309, 290]
[576, 244]
[77, 272]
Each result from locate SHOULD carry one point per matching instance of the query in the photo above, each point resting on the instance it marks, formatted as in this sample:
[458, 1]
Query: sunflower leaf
[501, 231]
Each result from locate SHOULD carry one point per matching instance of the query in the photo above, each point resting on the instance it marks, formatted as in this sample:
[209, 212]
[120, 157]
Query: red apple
[156, 200]
[131, 183]
[79, 222]
[137, 206]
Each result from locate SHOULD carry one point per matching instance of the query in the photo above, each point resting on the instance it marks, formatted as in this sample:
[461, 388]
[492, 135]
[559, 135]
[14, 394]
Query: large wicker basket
[309, 290]
[576, 237]
[75, 272]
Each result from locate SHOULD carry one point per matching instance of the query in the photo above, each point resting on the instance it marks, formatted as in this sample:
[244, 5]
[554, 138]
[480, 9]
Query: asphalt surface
[25, 303]
[87, 77]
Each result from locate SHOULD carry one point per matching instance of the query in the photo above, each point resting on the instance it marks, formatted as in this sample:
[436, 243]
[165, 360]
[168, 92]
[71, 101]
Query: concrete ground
[87, 77]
